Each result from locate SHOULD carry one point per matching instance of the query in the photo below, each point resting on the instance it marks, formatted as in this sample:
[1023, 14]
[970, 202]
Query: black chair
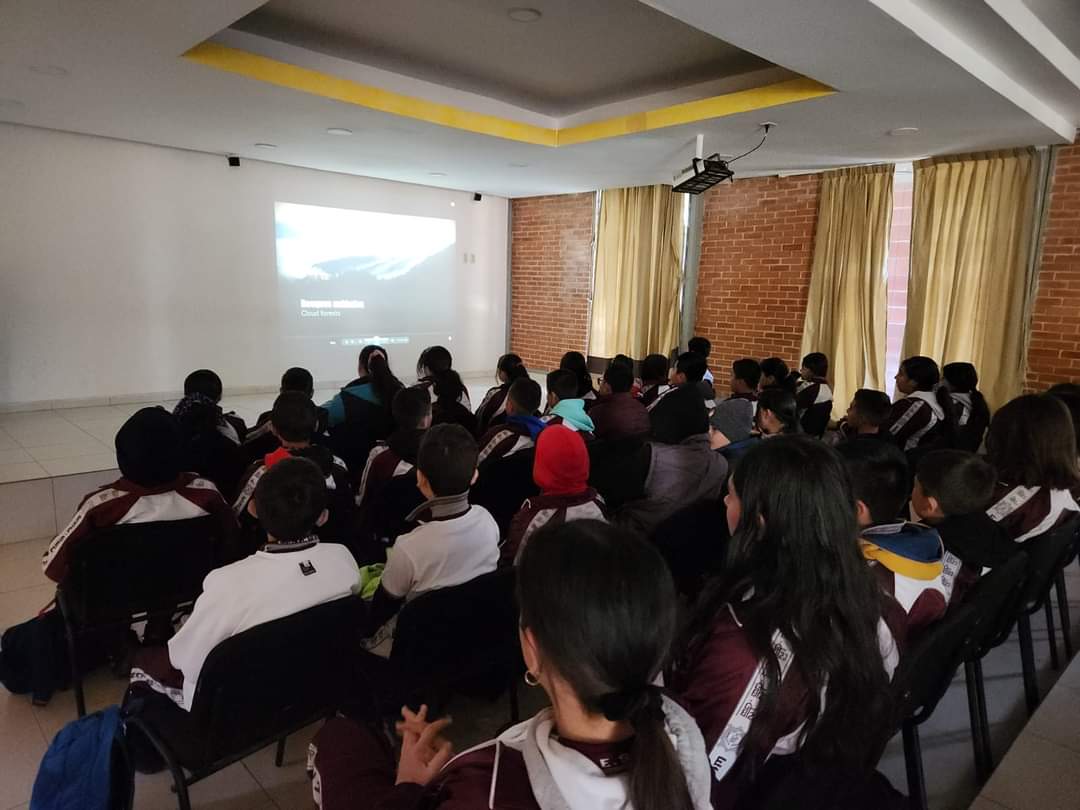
[816, 418]
[693, 542]
[923, 678]
[504, 485]
[365, 423]
[255, 689]
[133, 572]
[618, 468]
[462, 639]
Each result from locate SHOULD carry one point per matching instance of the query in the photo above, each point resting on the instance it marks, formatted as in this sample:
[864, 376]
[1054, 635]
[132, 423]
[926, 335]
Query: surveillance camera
[234, 160]
[477, 197]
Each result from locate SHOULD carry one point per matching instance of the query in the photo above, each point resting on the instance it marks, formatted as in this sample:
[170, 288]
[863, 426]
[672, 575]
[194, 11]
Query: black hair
[818, 363]
[507, 363]
[563, 383]
[298, 379]
[432, 360]
[289, 499]
[525, 394]
[619, 377]
[777, 369]
[701, 345]
[622, 360]
[961, 378]
[794, 566]
[654, 368]
[679, 415]
[1064, 388]
[601, 607]
[748, 370]
[205, 382]
[575, 362]
[781, 402]
[962, 482]
[410, 407]
[873, 406]
[448, 386]
[1072, 402]
[879, 477]
[447, 458]
[1032, 443]
[294, 416]
[923, 371]
[693, 365]
[382, 379]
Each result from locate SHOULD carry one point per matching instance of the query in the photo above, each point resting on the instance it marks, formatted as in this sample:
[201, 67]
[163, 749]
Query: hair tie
[630, 704]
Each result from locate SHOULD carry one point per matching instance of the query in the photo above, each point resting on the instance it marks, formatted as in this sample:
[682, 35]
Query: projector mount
[704, 173]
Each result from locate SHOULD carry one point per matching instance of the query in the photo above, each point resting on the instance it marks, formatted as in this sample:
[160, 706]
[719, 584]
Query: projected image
[352, 276]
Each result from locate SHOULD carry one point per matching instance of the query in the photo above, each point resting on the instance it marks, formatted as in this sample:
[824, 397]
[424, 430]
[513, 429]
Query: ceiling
[970, 74]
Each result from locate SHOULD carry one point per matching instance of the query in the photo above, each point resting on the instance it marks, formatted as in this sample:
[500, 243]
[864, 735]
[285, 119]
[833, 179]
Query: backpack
[86, 767]
[34, 657]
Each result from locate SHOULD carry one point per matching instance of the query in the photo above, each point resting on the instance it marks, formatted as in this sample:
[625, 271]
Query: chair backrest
[277, 675]
[365, 423]
[396, 500]
[135, 568]
[816, 418]
[451, 634]
[618, 468]
[693, 542]
[997, 597]
[504, 485]
[1047, 554]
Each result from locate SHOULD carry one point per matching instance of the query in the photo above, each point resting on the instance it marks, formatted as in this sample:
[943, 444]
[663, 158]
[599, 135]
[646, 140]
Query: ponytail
[383, 381]
[448, 386]
[515, 373]
[656, 775]
[949, 408]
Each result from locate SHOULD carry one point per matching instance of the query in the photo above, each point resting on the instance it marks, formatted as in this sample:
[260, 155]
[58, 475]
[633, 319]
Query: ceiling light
[436, 174]
[903, 131]
[267, 145]
[49, 70]
[452, 203]
[338, 131]
[524, 15]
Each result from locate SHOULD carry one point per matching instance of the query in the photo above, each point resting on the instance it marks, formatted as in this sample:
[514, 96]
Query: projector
[702, 174]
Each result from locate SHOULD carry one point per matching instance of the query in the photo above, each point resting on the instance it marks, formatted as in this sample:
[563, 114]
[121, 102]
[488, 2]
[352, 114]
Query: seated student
[260, 440]
[493, 405]
[795, 589]
[203, 389]
[701, 345]
[625, 360]
[776, 413]
[292, 572]
[687, 372]
[967, 416]
[433, 363]
[907, 558]
[561, 470]
[682, 468]
[915, 420]
[210, 439]
[731, 428]
[565, 407]
[375, 388]
[574, 362]
[813, 387]
[521, 427]
[745, 376]
[449, 397]
[868, 411]
[598, 612]
[454, 543]
[774, 374]
[152, 488]
[654, 378]
[1033, 448]
[952, 490]
[396, 455]
[616, 414]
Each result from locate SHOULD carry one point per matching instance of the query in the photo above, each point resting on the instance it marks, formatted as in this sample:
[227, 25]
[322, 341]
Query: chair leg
[279, 754]
[976, 714]
[180, 785]
[1027, 661]
[76, 672]
[1066, 619]
[916, 779]
[1051, 635]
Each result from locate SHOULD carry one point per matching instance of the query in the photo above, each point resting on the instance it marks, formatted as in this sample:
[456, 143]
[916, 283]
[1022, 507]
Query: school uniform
[339, 408]
[492, 408]
[619, 416]
[1027, 512]
[428, 384]
[393, 457]
[651, 393]
[542, 510]
[974, 544]
[571, 413]
[453, 413]
[971, 425]
[502, 441]
[748, 396]
[261, 440]
[914, 420]
[815, 391]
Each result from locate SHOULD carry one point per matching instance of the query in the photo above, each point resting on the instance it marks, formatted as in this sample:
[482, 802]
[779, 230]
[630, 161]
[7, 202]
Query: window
[897, 262]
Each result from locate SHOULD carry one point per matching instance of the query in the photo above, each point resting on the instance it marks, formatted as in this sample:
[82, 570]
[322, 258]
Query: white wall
[124, 266]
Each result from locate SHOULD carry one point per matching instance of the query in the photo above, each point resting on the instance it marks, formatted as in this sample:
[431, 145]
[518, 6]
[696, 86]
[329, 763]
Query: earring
[530, 679]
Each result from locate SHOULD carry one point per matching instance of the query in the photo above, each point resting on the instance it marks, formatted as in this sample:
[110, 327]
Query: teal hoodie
[573, 414]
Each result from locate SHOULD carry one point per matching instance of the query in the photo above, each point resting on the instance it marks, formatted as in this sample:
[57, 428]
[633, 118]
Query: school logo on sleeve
[306, 568]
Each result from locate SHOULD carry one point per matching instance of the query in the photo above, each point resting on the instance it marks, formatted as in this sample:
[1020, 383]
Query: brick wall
[757, 244]
[551, 260]
[1054, 351]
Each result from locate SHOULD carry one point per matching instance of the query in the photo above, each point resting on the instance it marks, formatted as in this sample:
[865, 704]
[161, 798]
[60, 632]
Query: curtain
[639, 250]
[845, 311]
[972, 279]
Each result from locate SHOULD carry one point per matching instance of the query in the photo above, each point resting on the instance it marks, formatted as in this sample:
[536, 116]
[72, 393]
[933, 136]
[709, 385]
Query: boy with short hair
[868, 411]
[203, 388]
[701, 345]
[906, 558]
[396, 455]
[654, 378]
[291, 573]
[565, 407]
[617, 414]
[521, 426]
[745, 376]
[260, 440]
[813, 387]
[689, 370]
[951, 493]
[454, 543]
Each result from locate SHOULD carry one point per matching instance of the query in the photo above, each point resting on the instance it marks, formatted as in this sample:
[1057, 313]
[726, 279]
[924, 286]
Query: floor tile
[78, 416]
[100, 688]
[69, 490]
[84, 447]
[21, 749]
[288, 785]
[80, 464]
[230, 789]
[982, 803]
[25, 471]
[1058, 719]
[25, 603]
[26, 510]
[1036, 773]
[6, 441]
[15, 455]
[20, 565]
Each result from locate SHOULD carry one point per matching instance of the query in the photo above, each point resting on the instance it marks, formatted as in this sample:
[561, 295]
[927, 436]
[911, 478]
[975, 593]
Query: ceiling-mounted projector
[702, 174]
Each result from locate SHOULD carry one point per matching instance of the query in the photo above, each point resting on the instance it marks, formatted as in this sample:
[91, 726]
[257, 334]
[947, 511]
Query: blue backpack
[86, 767]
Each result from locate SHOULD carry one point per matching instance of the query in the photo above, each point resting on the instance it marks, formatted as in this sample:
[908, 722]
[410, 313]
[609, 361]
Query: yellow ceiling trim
[294, 77]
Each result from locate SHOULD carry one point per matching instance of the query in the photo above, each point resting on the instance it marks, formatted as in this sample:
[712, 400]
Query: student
[493, 405]
[434, 362]
[1072, 402]
[598, 613]
[260, 440]
[152, 487]
[907, 559]
[688, 372]
[521, 427]
[291, 573]
[575, 363]
[654, 378]
[952, 490]
[375, 387]
[561, 470]
[565, 407]
[616, 414]
[701, 345]
[745, 376]
[774, 374]
[203, 389]
[868, 411]
[449, 405]
[682, 468]
[1032, 446]
[731, 428]
[396, 455]
[967, 416]
[454, 542]
[211, 439]
[813, 387]
[776, 413]
[797, 590]
[915, 420]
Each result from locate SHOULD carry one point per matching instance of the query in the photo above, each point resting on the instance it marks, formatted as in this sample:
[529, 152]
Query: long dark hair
[962, 378]
[782, 403]
[1032, 443]
[433, 360]
[575, 362]
[794, 565]
[382, 379]
[601, 606]
[777, 369]
[510, 365]
[448, 386]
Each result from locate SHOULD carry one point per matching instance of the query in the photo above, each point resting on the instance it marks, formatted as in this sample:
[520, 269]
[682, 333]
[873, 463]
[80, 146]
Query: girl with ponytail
[492, 410]
[967, 416]
[375, 386]
[598, 612]
[432, 365]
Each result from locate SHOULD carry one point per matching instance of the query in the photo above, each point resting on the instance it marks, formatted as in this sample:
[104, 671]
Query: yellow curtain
[845, 312]
[972, 280]
[639, 250]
